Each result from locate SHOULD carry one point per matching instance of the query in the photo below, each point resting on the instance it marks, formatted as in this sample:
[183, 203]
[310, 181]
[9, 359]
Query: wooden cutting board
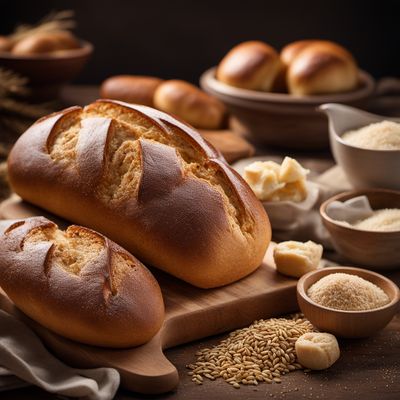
[191, 314]
[232, 146]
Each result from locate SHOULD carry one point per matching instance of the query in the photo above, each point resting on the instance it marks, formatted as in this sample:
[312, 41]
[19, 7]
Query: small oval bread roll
[189, 103]
[322, 68]
[250, 65]
[5, 43]
[78, 283]
[46, 42]
[131, 89]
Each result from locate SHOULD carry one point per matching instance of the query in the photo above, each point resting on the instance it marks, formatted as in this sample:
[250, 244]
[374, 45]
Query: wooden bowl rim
[207, 79]
[85, 49]
[351, 194]
[302, 292]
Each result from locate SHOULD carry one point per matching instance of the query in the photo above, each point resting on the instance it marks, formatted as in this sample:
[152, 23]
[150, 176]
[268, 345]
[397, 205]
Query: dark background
[181, 39]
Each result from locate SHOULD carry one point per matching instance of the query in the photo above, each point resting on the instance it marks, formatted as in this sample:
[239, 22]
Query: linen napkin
[24, 361]
[350, 210]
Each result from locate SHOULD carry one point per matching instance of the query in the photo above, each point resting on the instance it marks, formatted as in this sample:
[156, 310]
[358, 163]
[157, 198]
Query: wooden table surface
[367, 369]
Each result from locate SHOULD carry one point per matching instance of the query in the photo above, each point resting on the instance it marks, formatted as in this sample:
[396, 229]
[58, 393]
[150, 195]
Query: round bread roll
[5, 43]
[321, 68]
[46, 42]
[78, 283]
[131, 89]
[189, 103]
[287, 55]
[250, 65]
[290, 51]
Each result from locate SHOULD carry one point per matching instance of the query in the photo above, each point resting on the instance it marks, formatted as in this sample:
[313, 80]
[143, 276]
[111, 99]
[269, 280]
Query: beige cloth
[24, 361]
[308, 224]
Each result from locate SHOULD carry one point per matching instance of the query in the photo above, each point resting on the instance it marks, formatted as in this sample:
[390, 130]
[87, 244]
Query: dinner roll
[321, 68]
[46, 42]
[189, 103]
[291, 50]
[250, 65]
[131, 88]
[5, 43]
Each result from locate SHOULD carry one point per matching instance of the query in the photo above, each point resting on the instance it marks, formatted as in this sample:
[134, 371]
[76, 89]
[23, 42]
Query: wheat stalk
[12, 83]
[54, 21]
[16, 114]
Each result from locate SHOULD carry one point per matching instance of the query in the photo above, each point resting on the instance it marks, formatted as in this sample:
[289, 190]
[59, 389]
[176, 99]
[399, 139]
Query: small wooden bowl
[377, 250]
[348, 324]
[281, 119]
[47, 73]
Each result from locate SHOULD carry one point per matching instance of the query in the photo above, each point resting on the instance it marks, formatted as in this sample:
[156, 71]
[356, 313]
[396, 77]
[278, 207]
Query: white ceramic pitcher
[364, 168]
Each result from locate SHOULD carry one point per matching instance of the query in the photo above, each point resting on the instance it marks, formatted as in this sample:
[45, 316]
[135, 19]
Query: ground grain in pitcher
[261, 352]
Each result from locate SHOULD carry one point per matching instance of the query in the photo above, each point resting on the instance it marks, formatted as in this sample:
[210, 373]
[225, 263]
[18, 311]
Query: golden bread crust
[149, 182]
[78, 283]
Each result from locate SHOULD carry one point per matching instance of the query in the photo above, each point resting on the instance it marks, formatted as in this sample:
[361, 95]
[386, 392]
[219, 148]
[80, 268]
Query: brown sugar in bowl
[348, 324]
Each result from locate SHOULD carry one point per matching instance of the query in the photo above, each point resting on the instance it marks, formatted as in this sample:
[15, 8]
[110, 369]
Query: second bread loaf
[78, 283]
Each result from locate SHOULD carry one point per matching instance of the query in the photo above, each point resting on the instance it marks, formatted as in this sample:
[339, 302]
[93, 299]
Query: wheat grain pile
[261, 352]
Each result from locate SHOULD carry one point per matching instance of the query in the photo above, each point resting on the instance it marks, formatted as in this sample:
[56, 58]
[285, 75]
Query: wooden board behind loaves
[191, 314]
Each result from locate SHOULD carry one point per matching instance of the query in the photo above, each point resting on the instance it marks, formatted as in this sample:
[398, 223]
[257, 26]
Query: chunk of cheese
[273, 182]
[297, 258]
[263, 178]
[292, 171]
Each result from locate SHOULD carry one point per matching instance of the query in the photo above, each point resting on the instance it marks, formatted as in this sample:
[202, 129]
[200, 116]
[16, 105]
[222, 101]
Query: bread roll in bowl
[148, 181]
[291, 50]
[287, 55]
[131, 89]
[46, 42]
[78, 283]
[322, 68]
[189, 103]
[250, 65]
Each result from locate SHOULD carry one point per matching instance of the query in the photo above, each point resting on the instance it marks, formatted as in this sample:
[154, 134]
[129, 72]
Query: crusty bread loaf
[78, 283]
[131, 89]
[149, 182]
[320, 67]
[250, 65]
[189, 103]
[46, 42]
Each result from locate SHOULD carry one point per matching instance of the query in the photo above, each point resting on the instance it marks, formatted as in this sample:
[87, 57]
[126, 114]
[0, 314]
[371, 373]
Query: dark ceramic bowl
[47, 73]
[284, 120]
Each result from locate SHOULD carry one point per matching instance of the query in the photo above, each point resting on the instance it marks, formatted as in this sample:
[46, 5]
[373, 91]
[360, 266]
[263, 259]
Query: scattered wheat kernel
[260, 353]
